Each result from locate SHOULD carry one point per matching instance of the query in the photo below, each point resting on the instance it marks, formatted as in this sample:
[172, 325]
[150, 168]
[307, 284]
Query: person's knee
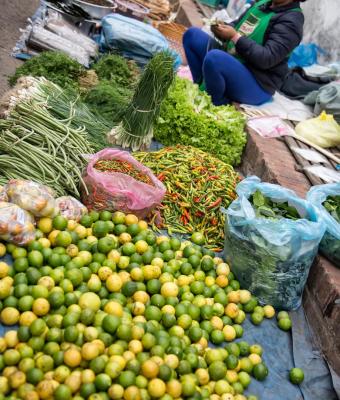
[189, 35]
[212, 59]
[219, 60]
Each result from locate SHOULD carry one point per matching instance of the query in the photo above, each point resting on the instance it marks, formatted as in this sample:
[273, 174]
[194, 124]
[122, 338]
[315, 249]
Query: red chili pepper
[215, 203]
[161, 176]
[197, 199]
[214, 221]
[212, 178]
[199, 214]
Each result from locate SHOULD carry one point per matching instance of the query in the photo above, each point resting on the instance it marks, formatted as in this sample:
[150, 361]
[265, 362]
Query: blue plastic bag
[305, 55]
[330, 243]
[134, 39]
[271, 258]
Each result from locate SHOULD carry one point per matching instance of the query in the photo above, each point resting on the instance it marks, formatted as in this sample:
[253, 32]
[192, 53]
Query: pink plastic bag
[118, 191]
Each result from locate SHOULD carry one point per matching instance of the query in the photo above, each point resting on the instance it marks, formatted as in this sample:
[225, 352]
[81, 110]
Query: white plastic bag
[322, 130]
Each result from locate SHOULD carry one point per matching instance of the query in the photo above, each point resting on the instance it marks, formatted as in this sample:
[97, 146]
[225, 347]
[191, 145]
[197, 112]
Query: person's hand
[223, 32]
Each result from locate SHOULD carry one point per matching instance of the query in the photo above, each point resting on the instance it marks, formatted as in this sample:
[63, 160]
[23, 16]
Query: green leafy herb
[55, 66]
[332, 205]
[266, 208]
[188, 117]
[117, 69]
[107, 100]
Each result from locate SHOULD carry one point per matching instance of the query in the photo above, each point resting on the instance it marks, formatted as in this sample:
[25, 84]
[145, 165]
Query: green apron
[253, 25]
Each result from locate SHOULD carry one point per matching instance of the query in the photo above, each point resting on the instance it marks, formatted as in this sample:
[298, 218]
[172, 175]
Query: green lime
[244, 348]
[296, 376]
[127, 378]
[105, 216]
[119, 229]
[128, 249]
[87, 389]
[194, 260]
[133, 229]
[63, 239]
[260, 371]
[153, 286]
[283, 314]
[153, 313]
[239, 330]
[59, 222]
[38, 327]
[102, 382]
[71, 334]
[100, 229]
[110, 323]
[198, 238]
[106, 244]
[63, 392]
[207, 264]
[238, 388]
[24, 333]
[256, 318]
[25, 303]
[232, 361]
[217, 370]
[34, 376]
[207, 312]
[56, 299]
[285, 324]
[86, 221]
[97, 365]
[54, 260]
[21, 264]
[217, 336]
[195, 333]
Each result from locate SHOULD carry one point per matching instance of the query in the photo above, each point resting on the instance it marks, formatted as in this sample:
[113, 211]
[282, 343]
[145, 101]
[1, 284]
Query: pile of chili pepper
[198, 185]
[123, 167]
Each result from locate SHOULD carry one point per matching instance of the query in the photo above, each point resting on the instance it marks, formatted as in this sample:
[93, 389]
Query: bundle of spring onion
[136, 128]
[36, 145]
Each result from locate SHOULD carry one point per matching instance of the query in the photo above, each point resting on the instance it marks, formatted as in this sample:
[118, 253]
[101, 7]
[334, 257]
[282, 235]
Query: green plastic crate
[211, 3]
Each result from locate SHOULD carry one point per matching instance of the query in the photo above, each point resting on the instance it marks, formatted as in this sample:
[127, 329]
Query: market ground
[13, 16]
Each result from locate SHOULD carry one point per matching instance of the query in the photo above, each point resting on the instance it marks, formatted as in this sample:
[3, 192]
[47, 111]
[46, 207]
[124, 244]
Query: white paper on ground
[284, 108]
[310, 155]
[270, 127]
[318, 70]
[326, 174]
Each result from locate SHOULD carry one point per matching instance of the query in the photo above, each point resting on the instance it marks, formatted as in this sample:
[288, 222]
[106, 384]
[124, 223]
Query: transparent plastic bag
[32, 196]
[71, 208]
[118, 191]
[271, 258]
[323, 130]
[330, 243]
[16, 224]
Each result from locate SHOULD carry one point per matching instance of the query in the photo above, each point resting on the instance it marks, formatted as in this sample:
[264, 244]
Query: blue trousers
[226, 79]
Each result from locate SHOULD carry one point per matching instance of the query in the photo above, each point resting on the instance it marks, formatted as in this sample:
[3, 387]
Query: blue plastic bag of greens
[272, 256]
[322, 197]
[133, 39]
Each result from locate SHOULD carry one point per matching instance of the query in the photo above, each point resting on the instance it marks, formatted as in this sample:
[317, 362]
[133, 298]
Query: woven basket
[174, 35]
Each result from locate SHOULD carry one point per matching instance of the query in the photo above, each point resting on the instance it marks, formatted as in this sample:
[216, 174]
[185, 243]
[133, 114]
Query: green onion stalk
[135, 130]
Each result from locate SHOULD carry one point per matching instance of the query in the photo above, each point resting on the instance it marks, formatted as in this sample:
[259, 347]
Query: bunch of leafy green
[266, 208]
[55, 66]
[332, 205]
[108, 100]
[188, 117]
[117, 70]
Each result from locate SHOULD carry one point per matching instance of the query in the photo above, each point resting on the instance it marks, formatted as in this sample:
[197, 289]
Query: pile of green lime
[108, 310]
